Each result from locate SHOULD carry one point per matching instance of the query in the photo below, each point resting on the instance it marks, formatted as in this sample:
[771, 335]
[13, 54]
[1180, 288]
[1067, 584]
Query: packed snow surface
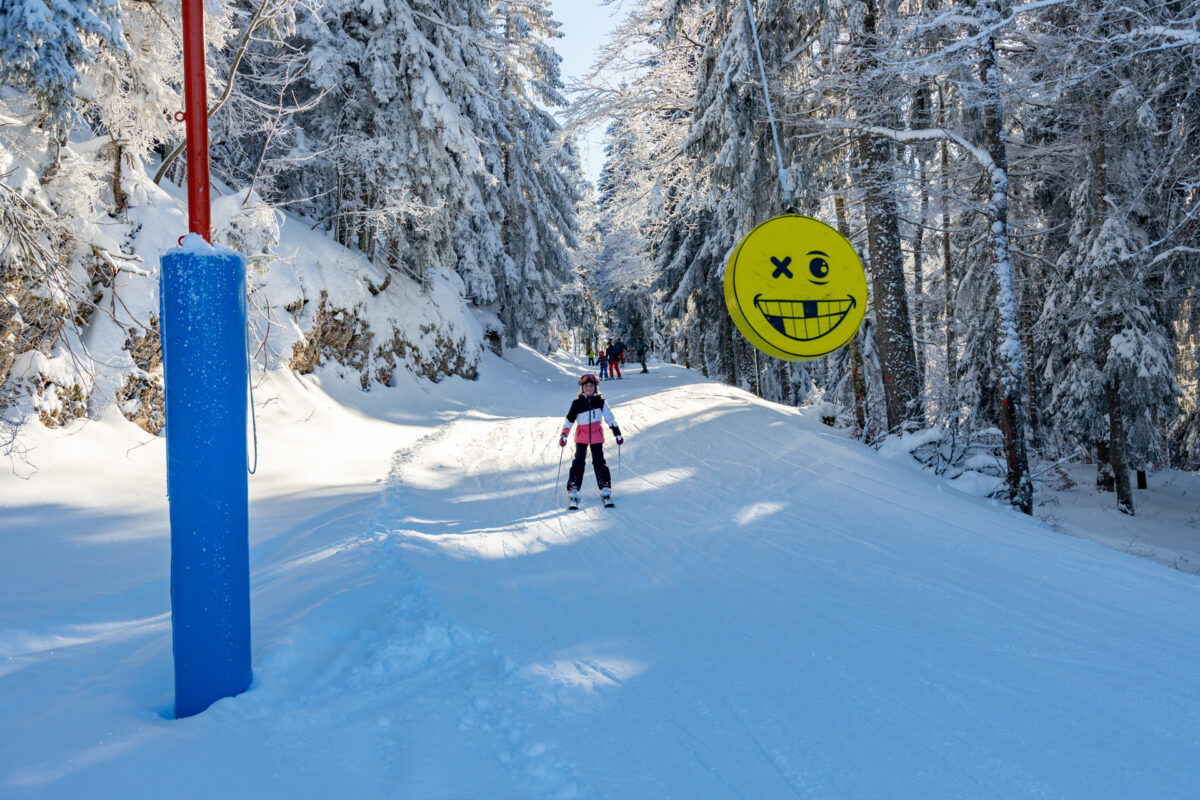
[771, 611]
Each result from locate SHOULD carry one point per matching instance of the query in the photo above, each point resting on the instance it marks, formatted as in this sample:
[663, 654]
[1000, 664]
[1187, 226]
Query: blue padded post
[203, 326]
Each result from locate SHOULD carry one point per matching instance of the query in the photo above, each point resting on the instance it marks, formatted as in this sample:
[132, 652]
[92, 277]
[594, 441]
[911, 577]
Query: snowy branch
[260, 18]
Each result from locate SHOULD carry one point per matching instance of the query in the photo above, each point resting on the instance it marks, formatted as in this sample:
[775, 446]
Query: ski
[609, 503]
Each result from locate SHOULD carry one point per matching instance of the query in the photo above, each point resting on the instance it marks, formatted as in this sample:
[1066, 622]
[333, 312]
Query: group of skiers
[612, 356]
[589, 413]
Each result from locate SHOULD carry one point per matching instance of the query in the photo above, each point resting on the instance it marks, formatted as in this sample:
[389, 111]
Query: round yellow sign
[795, 288]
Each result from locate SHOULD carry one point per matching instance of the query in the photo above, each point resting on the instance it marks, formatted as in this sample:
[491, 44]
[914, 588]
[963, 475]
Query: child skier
[603, 363]
[588, 410]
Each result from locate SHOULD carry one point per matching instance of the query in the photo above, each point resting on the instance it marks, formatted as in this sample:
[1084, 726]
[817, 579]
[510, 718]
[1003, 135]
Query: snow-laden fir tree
[133, 92]
[401, 147]
[641, 91]
[1108, 319]
[540, 174]
[732, 187]
[45, 45]
[620, 273]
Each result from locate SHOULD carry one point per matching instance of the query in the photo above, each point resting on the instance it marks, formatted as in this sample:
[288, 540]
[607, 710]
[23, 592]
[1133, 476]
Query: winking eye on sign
[795, 288]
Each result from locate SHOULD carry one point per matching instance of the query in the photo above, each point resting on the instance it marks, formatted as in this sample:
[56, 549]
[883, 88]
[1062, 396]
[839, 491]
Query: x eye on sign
[795, 288]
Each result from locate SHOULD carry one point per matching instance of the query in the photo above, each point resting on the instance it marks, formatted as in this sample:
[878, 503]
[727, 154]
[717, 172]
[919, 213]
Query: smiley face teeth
[804, 320]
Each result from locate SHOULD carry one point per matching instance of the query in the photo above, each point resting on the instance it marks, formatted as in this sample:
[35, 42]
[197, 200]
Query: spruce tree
[539, 174]
[44, 46]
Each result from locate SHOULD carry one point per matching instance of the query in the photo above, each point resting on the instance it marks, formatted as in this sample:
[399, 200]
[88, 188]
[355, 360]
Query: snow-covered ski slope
[771, 611]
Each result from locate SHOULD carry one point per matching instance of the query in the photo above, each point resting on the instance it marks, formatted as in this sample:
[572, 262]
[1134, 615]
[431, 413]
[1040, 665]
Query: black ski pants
[575, 478]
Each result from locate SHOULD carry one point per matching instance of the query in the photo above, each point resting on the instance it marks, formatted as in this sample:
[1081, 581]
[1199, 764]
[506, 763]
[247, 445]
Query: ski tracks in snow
[454, 489]
[477, 497]
[766, 614]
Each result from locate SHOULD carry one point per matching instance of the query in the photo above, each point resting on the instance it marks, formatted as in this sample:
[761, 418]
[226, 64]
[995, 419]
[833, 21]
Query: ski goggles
[589, 378]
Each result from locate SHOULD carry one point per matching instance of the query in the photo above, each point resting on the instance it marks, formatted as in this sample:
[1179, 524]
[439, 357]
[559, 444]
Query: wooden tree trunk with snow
[888, 293]
[1011, 360]
[947, 267]
[1105, 481]
[889, 296]
[1116, 448]
[856, 362]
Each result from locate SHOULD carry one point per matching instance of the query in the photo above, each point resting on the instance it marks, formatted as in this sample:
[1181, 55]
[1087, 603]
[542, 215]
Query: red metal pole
[195, 90]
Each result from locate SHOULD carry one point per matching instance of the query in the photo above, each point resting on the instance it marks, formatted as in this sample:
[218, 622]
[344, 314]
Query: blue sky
[585, 23]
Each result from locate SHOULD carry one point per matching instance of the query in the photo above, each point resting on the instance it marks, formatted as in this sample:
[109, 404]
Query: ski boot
[572, 498]
[606, 496]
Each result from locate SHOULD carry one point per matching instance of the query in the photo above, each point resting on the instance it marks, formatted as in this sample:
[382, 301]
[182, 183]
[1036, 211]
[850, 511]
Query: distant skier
[640, 348]
[587, 412]
[591, 353]
[602, 362]
[614, 361]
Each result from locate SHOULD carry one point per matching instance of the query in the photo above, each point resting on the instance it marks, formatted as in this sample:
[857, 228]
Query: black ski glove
[617, 434]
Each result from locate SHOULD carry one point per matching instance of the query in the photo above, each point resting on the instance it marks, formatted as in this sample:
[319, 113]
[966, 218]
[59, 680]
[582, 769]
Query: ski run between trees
[773, 611]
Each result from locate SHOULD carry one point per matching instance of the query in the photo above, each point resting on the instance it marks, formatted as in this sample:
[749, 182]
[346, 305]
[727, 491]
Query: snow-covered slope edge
[80, 288]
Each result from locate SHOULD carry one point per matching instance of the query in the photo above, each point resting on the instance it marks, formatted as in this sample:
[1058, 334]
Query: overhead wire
[762, 71]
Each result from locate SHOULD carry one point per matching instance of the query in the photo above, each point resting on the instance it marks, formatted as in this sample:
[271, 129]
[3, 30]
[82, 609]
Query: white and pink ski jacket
[589, 413]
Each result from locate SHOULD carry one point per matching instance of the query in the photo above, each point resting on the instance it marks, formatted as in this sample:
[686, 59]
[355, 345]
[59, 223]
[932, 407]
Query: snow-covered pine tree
[621, 273]
[732, 185]
[401, 149]
[970, 59]
[478, 245]
[45, 45]
[540, 174]
[643, 85]
[1111, 316]
[132, 92]
[877, 157]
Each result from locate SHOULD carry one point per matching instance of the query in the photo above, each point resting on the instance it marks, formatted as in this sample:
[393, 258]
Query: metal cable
[253, 414]
[762, 71]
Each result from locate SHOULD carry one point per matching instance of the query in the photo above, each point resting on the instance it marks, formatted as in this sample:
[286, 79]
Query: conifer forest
[1021, 181]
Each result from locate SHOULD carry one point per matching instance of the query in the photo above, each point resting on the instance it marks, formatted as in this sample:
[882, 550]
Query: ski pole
[557, 477]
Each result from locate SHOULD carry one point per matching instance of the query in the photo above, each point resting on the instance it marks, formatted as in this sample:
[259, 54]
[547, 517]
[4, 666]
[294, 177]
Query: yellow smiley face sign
[795, 288]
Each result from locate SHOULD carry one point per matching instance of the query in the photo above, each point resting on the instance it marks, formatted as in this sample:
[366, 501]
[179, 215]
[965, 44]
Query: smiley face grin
[804, 320]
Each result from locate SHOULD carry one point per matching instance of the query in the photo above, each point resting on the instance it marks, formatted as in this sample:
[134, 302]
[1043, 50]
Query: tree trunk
[860, 388]
[947, 270]
[894, 339]
[856, 362]
[1026, 319]
[1011, 360]
[919, 275]
[1105, 482]
[1116, 448]
[728, 348]
[889, 297]
[336, 221]
[120, 198]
